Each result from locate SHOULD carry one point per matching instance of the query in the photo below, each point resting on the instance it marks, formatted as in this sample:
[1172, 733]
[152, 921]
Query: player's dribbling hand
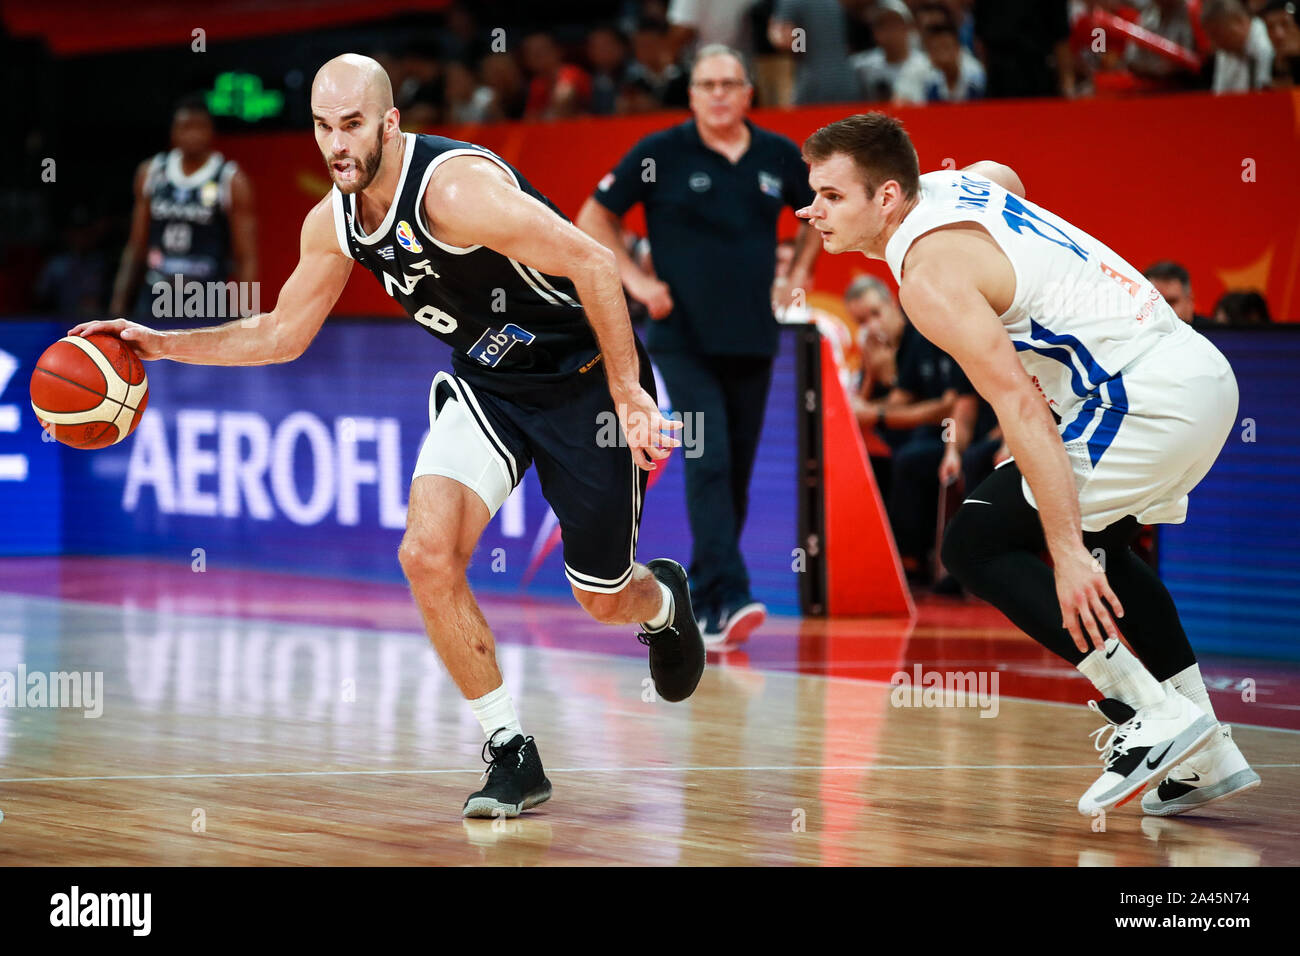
[146, 343]
[1084, 593]
[649, 434]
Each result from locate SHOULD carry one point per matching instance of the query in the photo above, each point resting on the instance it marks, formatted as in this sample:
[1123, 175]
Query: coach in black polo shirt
[713, 189]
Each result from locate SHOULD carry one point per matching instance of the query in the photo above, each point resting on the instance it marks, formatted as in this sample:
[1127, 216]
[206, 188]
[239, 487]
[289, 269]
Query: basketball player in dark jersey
[542, 350]
[193, 217]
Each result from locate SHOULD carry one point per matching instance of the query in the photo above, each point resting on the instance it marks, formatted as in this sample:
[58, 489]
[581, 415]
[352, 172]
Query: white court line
[666, 769]
[573, 652]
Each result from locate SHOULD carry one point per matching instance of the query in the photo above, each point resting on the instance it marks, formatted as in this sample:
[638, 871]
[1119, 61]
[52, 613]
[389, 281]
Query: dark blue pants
[730, 395]
[914, 493]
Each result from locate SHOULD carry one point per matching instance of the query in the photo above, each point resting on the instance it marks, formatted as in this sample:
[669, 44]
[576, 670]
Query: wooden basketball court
[250, 718]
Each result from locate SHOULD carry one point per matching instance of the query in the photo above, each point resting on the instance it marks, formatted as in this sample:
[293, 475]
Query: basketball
[89, 392]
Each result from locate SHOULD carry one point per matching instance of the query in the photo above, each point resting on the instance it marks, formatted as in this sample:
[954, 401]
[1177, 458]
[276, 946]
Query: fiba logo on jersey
[407, 238]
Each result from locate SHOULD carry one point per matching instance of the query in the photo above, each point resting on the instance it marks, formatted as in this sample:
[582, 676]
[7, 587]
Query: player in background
[193, 217]
[1044, 319]
[543, 353]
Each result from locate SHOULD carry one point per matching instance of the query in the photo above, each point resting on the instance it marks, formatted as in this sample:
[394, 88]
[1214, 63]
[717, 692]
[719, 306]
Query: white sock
[496, 711]
[660, 620]
[1188, 682]
[1122, 676]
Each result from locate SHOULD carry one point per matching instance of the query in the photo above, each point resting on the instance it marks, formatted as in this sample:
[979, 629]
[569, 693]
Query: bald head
[352, 109]
[355, 81]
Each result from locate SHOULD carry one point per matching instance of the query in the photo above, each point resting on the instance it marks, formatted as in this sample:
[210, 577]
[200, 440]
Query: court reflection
[349, 745]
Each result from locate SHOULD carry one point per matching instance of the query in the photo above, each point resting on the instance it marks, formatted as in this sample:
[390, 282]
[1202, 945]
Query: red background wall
[1156, 177]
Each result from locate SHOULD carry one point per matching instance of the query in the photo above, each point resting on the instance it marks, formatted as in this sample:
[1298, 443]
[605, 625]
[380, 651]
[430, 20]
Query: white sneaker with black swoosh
[1215, 772]
[1142, 745]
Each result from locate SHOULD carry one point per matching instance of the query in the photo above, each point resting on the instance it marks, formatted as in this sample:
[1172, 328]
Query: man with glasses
[713, 189]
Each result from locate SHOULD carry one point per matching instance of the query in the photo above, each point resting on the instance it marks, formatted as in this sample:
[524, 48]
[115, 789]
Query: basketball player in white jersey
[1048, 323]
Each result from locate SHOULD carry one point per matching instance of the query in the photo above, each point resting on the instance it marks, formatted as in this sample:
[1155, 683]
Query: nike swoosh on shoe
[1152, 764]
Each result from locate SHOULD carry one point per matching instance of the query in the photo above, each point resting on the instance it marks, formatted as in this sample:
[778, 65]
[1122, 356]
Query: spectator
[1242, 308]
[418, 95]
[957, 12]
[193, 219]
[884, 336]
[929, 386]
[465, 100]
[501, 74]
[1243, 54]
[636, 96]
[1172, 20]
[1282, 17]
[652, 68]
[712, 210]
[932, 13]
[877, 70]
[556, 89]
[73, 283]
[947, 73]
[699, 23]
[820, 48]
[1175, 285]
[607, 57]
[460, 38]
[1026, 46]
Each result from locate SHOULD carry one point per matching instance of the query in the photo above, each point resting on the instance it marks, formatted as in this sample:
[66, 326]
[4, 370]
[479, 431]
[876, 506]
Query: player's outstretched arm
[276, 336]
[941, 294]
[470, 201]
[998, 173]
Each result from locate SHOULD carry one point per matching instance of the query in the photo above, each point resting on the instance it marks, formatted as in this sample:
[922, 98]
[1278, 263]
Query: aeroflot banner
[306, 467]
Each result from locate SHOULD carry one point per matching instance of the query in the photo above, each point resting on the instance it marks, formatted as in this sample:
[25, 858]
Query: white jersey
[1081, 314]
[1145, 402]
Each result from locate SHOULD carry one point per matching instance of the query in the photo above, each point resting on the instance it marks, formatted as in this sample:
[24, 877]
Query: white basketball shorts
[1148, 436]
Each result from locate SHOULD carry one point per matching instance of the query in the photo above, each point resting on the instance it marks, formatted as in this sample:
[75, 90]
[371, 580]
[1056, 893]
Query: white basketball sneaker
[1215, 772]
[1142, 745]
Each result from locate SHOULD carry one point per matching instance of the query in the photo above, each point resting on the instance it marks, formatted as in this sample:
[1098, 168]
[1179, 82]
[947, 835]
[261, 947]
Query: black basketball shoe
[676, 649]
[515, 780]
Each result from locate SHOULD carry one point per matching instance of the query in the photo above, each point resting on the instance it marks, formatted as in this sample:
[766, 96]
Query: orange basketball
[89, 392]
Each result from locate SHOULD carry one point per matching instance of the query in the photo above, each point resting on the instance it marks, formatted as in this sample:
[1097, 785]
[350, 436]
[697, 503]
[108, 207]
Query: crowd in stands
[838, 51]
[467, 70]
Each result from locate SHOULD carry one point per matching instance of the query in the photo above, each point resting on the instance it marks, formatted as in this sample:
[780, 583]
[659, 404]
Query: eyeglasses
[725, 86]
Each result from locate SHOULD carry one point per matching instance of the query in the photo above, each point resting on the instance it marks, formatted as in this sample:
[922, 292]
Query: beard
[363, 168]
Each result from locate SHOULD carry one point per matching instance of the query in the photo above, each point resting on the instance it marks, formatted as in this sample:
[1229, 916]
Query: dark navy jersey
[189, 222]
[511, 328]
[701, 208]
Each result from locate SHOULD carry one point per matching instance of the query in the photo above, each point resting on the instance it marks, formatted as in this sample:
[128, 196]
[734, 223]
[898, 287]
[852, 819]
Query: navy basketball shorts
[487, 442]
